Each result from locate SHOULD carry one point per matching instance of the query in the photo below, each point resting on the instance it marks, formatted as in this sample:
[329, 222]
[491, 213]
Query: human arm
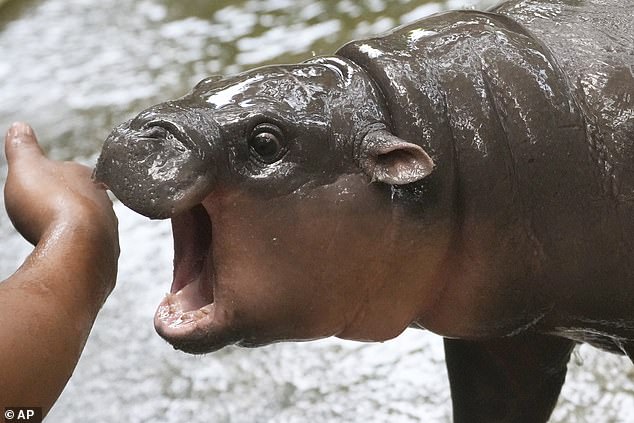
[48, 306]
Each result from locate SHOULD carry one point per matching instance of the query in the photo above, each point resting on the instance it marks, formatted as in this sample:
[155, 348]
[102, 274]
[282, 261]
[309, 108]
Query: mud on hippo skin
[465, 174]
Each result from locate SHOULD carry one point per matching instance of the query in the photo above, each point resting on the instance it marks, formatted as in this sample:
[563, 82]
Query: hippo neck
[491, 106]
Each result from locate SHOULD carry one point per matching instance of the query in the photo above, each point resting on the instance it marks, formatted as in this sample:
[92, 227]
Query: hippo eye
[267, 141]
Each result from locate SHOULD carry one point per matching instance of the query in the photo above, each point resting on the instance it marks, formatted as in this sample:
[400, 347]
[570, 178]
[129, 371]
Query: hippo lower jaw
[188, 317]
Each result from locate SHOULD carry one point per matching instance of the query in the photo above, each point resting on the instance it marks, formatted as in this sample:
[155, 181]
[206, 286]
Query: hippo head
[279, 184]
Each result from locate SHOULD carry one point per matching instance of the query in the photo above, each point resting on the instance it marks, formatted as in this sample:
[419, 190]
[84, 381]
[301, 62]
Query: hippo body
[471, 173]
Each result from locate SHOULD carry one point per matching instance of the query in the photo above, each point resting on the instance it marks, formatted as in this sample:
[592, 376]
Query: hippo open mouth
[190, 301]
[189, 317]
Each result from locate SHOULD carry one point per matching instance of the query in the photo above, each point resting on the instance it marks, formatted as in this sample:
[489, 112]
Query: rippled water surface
[75, 68]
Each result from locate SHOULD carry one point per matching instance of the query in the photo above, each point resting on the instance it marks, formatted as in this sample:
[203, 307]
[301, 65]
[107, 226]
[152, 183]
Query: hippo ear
[392, 160]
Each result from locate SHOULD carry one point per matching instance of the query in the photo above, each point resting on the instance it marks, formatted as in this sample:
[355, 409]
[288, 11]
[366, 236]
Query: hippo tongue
[191, 297]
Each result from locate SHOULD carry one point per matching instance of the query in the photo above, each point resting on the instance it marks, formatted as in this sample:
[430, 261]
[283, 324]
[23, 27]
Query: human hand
[46, 198]
[41, 193]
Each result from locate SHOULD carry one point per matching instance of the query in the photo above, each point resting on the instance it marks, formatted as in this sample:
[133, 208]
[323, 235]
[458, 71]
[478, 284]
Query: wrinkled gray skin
[471, 173]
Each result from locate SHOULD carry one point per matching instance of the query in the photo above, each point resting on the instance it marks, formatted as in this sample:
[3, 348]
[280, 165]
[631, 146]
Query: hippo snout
[157, 167]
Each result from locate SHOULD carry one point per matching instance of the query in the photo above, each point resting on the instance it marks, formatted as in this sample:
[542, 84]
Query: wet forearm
[46, 312]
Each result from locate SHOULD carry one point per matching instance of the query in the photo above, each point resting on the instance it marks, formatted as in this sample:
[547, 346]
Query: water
[75, 68]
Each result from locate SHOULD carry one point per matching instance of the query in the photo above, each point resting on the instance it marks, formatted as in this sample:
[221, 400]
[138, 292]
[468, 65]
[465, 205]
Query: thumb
[21, 143]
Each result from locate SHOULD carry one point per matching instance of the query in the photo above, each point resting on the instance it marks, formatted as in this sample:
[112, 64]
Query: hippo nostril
[160, 127]
[165, 130]
[154, 132]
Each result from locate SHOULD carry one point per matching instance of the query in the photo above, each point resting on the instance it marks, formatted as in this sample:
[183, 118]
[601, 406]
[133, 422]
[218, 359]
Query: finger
[20, 142]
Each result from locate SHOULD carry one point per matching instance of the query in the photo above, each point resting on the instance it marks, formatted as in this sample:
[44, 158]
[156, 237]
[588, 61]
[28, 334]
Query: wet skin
[470, 173]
